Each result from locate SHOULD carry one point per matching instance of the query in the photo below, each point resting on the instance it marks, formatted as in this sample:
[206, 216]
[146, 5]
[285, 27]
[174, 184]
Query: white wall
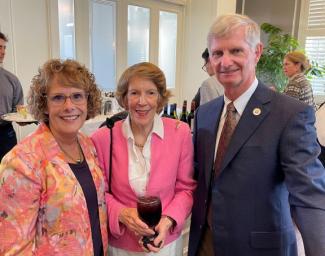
[27, 27]
[199, 17]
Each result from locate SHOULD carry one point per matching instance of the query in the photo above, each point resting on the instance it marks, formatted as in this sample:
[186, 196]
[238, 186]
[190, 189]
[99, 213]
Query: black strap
[110, 125]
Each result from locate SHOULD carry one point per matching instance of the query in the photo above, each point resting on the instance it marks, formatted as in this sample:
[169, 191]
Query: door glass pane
[66, 29]
[167, 46]
[103, 44]
[138, 34]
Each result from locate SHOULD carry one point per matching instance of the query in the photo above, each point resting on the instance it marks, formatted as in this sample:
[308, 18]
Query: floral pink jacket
[42, 207]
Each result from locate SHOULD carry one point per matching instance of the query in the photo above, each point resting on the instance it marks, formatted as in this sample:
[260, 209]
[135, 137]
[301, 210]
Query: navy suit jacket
[270, 173]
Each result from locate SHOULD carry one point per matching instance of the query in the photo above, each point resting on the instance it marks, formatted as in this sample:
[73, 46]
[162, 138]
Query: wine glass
[149, 210]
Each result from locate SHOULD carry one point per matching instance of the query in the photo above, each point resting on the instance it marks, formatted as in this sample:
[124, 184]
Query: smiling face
[141, 102]
[234, 62]
[290, 68]
[65, 119]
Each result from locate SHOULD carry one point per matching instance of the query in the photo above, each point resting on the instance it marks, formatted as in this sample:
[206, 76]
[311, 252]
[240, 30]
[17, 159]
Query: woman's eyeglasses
[77, 98]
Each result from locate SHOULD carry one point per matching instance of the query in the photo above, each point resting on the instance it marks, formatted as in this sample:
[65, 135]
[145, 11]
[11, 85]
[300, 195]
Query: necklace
[79, 159]
[138, 145]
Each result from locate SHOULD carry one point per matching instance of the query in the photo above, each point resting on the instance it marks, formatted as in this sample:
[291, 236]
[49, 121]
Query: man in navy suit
[269, 174]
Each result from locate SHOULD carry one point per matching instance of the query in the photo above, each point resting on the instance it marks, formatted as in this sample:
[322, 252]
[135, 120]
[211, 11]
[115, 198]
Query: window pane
[316, 16]
[66, 29]
[167, 46]
[315, 50]
[138, 34]
[103, 44]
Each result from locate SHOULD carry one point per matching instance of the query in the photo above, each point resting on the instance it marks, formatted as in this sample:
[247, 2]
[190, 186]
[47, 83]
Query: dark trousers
[7, 139]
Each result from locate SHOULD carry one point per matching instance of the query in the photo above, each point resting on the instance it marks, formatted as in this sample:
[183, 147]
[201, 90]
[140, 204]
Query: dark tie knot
[231, 107]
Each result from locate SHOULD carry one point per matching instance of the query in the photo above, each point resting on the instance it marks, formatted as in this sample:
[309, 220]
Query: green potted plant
[269, 68]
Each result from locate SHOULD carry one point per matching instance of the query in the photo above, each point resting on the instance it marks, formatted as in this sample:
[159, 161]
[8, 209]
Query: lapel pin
[256, 111]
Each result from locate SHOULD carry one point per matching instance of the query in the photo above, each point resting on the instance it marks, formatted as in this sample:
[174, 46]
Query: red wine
[149, 210]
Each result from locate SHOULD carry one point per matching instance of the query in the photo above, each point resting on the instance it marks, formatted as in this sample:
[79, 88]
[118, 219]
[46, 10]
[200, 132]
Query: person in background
[150, 155]
[210, 88]
[52, 189]
[262, 170]
[295, 64]
[11, 95]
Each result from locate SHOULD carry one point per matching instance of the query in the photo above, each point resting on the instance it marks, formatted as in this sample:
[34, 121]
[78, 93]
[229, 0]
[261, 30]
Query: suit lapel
[211, 124]
[255, 112]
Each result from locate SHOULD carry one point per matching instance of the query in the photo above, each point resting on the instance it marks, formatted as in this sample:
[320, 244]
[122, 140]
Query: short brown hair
[69, 73]
[145, 70]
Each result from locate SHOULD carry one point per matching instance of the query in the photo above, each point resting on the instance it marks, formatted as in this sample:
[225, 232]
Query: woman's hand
[130, 218]
[164, 225]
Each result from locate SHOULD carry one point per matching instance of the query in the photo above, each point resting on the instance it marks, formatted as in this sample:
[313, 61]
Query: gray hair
[225, 24]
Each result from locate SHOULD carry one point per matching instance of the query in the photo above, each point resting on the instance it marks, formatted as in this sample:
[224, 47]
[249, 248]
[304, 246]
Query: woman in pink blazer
[149, 155]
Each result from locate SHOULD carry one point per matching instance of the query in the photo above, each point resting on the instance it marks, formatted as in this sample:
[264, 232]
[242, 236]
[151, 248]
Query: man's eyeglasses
[77, 98]
[204, 67]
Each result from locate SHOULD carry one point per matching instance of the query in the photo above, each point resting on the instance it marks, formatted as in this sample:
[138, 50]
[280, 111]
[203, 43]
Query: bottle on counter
[183, 116]
[165, 113]
[190, 117]
[173, 111]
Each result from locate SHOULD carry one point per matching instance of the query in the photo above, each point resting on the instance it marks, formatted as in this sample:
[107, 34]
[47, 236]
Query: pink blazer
[171, 174]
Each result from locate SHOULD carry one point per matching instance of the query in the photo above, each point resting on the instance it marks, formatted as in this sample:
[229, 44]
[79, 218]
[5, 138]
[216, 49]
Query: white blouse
[139, 160]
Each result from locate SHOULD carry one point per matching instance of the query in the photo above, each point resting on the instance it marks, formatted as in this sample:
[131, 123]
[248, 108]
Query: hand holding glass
[149, 210]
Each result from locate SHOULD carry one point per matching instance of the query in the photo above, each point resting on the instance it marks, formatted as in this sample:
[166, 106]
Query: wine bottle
[190, 117]
[173, 111]
[165, 113]
[184, 112]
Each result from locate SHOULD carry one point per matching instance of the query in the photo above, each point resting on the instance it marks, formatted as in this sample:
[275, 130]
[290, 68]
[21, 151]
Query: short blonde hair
[298, 57]
[148, 71]
[68, 73]
[225, 24]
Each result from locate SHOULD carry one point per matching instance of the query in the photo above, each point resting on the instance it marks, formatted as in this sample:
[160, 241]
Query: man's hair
[225, 24]
[205, 55]
[3, 37]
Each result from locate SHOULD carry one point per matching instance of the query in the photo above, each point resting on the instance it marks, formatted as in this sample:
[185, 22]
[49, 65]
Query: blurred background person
[52, 189]
[150, 154]
[211, 87]
[11, 95]
[295, 64]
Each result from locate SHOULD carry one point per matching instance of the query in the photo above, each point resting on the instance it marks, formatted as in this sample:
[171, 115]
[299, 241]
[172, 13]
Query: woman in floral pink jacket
[51, 187]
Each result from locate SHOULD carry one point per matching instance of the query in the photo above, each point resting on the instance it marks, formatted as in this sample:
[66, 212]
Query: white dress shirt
[139, 159]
